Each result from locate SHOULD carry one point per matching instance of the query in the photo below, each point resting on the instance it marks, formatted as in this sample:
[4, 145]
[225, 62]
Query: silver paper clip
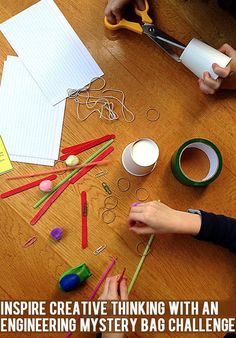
[99, 249]
[101, 173]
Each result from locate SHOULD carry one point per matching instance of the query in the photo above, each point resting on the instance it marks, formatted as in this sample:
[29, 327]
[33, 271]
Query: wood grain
[179, 267]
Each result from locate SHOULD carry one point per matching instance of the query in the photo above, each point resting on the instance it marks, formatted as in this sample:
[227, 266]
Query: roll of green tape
[213, 154]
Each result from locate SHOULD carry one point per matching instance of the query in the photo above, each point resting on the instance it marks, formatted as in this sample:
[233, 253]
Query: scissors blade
[166, 48]
[161, 38]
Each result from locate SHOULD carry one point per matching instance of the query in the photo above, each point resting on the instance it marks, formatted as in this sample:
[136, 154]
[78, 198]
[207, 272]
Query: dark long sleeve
[218, 229]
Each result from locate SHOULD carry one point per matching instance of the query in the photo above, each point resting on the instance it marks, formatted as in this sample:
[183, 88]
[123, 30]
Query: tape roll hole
[199, 162]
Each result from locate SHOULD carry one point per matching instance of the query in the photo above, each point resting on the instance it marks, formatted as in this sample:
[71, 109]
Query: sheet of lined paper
[51, 50]
[31, 127]
[32, 160]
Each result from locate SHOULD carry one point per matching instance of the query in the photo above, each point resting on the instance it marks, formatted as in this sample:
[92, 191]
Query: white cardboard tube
[199, 57]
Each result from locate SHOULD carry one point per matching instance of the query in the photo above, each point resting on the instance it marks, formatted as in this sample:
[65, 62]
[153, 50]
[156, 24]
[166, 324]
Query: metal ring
[107, 199]
[119, 186]
[137, 249]
[155, 118]
[142, 199]
[104, 216]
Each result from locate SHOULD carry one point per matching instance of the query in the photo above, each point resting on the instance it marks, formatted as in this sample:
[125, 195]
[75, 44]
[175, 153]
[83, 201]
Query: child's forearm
[187, 223]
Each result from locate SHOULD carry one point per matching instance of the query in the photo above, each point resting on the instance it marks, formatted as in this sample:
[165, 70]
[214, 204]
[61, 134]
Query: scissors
[162, 39]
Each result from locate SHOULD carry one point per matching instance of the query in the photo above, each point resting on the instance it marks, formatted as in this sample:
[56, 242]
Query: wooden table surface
[179, 267]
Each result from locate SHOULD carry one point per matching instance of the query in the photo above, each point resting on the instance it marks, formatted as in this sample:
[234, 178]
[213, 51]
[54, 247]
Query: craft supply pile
[53, 65]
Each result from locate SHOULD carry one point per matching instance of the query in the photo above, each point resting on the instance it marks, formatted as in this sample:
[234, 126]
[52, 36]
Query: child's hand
[111, 292]
[227, 75]
[112, 289]
[156, 217]
[114, 9]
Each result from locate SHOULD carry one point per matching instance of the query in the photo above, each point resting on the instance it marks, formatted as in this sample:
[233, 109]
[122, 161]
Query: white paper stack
[30, 126]
[52, 59]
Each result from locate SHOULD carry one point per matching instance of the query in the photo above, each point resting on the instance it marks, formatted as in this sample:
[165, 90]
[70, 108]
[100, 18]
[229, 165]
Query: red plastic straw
[100, 157]
[121, 277]
[26, 186]
[77, 149]
[60, 190]
[81, 145]
[49, 202]
[97, 287]
[102, 280]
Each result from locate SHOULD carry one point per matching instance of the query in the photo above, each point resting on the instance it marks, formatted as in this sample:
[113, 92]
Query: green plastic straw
[135, 276]
[106, 145]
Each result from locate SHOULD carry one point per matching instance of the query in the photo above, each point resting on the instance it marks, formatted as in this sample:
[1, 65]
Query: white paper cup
[139, 158]
[199, 57]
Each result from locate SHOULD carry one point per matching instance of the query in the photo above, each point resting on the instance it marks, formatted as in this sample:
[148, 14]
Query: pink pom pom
[46, 186]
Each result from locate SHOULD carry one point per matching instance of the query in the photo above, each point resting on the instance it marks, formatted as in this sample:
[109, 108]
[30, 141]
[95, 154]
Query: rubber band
[111, 220]
[123, 106]
[137, 248]
[103, 105]
[73, 93]
[142, 199]
[56, 165]
[119, 185]
[155, 118]
[106, 201]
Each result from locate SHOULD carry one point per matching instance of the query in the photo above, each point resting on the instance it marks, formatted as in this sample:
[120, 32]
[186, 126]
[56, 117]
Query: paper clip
[30, 242]
[99, 249]
[101, 173]
[106, 188]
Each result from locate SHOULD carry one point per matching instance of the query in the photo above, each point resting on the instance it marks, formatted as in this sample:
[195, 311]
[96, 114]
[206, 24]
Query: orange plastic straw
[57, 170]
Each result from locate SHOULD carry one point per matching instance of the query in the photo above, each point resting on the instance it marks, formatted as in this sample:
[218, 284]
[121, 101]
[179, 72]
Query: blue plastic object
[69, 282]
[74, 277]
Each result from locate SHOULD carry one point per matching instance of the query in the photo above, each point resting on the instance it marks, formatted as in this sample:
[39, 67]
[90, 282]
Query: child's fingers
[214, 84]
[123, 289]
[227, 49]
[204, 88]
[131, 223]
[222, 72]
[138, 224]
[135, 217]
[111, 17]
[141, 5]
[138, 209]
[113, 288]
[104, 295]
[142, 230]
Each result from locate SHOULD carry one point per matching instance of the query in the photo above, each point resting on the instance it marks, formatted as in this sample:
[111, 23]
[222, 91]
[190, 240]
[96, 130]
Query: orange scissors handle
[144, 14]
[132, 26]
